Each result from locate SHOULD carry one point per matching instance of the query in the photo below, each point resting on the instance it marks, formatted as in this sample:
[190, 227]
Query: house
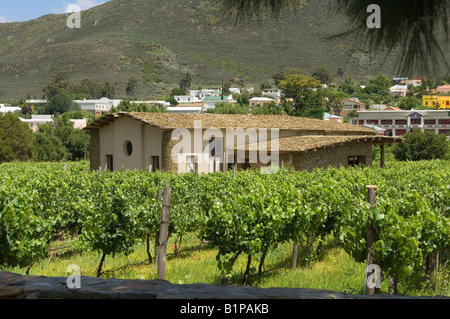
[211, 101]
[201, 94]
[37, 120]
[36, 102]
[79, 123]
[378, 107]
[235, 90]
[436, 101]
[392, 108]
[399, 90]
[272, 93]
[98, 107]
[443, 88]
[332, 118]
[352, 104]
[413, 82]
[397, 123]
[260, 101]
[188, 100]
[7, 109]
[206, 143]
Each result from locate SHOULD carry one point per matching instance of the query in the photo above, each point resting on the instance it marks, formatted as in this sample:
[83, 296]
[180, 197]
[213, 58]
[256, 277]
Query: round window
[128, 148]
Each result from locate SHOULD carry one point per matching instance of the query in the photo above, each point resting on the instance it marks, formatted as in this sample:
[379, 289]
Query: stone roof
[314, 142]
[169, 121]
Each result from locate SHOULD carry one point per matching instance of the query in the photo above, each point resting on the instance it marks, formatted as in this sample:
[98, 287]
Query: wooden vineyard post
[382, 156]
[164, 233]
[294, 256]
[370, 239]
[158, 195]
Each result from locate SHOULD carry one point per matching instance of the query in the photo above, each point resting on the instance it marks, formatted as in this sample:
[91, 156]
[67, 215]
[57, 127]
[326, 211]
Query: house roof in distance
[176, 120]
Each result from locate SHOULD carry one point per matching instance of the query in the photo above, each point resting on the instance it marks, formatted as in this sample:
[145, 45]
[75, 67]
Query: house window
[109, 162]
[155, 163]
[191, 164]
[356, 160]
[416, 121]
[128, 148]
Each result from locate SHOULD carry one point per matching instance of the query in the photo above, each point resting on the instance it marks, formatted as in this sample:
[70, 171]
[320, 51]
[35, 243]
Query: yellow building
[435, 100]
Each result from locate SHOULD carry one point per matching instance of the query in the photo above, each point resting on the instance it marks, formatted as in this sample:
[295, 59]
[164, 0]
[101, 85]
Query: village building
[332, 118]
[436, 101]
[399, 122]
[398, 90]
[98, 107]
[260, 101]
[37, 120]
[206, 143]
[352, 104]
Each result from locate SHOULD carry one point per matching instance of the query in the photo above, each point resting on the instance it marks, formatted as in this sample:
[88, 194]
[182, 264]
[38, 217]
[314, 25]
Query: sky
[24, 10]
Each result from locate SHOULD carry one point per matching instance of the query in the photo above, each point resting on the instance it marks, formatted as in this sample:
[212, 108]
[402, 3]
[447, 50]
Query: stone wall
[333, 156]
[166, 153]
[14, 286]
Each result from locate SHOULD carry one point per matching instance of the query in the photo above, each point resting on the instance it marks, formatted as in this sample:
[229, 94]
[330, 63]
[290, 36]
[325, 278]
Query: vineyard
[243, 215]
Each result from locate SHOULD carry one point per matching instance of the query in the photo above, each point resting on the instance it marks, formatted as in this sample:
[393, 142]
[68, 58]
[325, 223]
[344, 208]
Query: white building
[333, 118]
[259, 101]
[6, 109]
[273, 93]
[98, 107]
[37, 120]
[399, 90]
[187, 99]
[36, 102]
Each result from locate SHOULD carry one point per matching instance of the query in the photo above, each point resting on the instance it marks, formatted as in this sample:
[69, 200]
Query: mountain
[158, 41]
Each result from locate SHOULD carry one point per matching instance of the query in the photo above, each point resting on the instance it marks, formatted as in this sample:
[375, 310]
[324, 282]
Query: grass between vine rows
[328, 267]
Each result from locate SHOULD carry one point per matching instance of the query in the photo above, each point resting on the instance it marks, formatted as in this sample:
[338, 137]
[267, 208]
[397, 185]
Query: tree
[322, 74]
[379, 85]
[294, 84]
[229, 108]
[48, 148]
[58, 85]
[109, 90]
[74, 140]
[16, 139]
[186, 81]
[131, 86]
[420, 145]
[340, 72]
[177, 91]
[59, 103]
[271, 108]
[409, 103]
[128, 106]
[281, 74]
